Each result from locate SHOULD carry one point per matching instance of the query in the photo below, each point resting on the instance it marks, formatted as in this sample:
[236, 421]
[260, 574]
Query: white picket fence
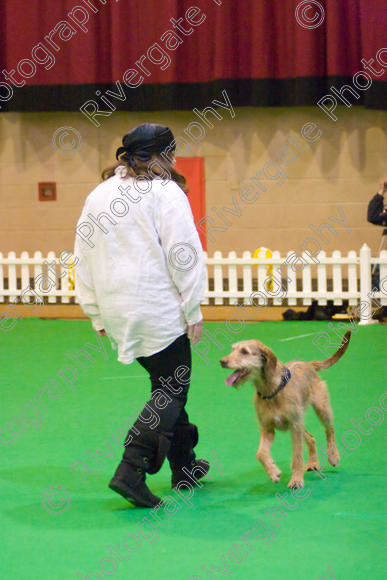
[229, 279]
[335, 278]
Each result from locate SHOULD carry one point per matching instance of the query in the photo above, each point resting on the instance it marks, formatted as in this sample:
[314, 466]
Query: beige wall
[342, 168]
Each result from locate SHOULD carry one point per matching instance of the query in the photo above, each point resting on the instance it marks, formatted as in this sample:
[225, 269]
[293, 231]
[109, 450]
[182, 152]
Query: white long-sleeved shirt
[140, 281]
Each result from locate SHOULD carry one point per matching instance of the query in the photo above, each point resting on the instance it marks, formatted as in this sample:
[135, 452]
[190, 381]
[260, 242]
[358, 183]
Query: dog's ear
[270, 360]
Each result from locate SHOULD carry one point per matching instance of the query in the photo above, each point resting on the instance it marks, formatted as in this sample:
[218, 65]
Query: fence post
[365, 284]
[1, 279]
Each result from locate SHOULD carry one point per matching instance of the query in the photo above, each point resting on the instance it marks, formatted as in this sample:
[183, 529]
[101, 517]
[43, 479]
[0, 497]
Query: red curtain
[256, 46]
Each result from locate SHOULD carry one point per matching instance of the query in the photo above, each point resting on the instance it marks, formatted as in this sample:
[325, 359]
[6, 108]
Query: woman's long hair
[142, 168]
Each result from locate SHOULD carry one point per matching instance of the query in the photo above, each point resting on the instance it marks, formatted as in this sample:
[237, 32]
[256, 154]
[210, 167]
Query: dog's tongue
[233, 378]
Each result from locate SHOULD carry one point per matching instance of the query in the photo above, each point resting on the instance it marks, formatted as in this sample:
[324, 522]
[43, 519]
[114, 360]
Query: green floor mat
[239, 524]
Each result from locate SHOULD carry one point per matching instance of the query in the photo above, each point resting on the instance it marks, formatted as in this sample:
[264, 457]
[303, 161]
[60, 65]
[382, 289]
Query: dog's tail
[325, 364]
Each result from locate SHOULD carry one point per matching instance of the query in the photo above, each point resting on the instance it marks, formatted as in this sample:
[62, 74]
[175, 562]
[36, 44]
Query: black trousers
[150, 442]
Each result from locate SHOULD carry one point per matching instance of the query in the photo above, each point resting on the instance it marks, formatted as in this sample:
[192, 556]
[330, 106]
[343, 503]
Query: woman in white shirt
[141, 278]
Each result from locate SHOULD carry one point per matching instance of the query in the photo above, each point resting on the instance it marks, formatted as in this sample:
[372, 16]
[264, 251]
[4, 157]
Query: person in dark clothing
[377, 212]
[377, 215]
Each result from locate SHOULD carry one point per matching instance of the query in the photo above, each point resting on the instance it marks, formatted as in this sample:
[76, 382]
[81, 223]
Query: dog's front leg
[297, 480]
[264, 455]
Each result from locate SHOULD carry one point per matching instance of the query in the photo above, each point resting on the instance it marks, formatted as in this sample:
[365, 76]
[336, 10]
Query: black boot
[129, 481]
[182, 458]
[190, 473]
[145, 454]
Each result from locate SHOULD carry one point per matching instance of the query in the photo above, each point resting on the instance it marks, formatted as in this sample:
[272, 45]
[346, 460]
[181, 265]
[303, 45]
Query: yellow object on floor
[266, 253]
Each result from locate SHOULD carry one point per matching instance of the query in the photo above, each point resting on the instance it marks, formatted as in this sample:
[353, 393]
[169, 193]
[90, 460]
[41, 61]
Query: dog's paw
[294, 484]
[311, 465]
[275, 475]
[334, 457]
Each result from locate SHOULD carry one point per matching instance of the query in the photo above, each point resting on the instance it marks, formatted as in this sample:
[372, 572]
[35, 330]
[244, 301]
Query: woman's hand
[195, 331]
[383, 187]
[102, 332]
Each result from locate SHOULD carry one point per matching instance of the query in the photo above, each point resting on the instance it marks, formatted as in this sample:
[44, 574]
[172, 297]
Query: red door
[193, 170]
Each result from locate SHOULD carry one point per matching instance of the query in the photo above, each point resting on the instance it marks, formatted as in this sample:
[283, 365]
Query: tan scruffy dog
[281, 395]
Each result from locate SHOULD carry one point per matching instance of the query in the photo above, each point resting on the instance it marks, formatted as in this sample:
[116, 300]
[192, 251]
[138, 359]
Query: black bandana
[144, 141]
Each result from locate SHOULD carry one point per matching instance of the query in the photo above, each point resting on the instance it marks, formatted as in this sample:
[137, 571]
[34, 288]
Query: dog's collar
[285, 379]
